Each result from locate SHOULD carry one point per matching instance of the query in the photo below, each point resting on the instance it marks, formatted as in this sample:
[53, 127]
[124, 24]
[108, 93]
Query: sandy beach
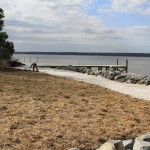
[42, 111]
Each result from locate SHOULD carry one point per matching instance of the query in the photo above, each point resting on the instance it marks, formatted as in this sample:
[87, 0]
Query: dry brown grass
[39, 111]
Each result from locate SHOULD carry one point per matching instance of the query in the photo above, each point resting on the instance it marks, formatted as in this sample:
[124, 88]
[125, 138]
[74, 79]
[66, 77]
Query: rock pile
[140, 143]
[112, 75]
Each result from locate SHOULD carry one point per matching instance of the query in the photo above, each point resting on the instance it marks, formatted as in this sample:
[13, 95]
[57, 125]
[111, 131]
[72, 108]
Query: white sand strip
[134, 90]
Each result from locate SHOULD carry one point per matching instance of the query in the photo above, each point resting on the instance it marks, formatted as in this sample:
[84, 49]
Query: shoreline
[88, 54]
[133, 90]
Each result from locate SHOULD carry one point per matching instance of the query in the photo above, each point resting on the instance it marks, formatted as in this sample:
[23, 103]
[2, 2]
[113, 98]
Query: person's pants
[35, 67]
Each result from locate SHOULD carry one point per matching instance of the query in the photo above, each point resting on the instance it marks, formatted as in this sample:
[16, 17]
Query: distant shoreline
[87, 54]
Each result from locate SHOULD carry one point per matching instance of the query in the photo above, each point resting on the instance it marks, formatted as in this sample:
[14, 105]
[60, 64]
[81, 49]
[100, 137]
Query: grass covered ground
[39, 111]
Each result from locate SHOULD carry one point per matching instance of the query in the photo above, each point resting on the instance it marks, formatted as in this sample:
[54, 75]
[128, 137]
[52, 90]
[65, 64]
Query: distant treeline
[87, 54]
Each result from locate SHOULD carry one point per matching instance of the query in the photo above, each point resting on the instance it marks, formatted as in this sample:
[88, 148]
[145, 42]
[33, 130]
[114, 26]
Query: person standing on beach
[34, 65]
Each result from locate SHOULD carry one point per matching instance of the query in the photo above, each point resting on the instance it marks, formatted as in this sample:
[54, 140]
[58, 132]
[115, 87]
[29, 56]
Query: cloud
[48, 22]
[126, 6]
[59, 17]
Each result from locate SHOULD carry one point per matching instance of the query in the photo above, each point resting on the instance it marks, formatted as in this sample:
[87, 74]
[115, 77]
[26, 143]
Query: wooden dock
[117, 67]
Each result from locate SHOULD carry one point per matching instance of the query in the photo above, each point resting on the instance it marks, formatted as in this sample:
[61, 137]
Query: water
[137, 65]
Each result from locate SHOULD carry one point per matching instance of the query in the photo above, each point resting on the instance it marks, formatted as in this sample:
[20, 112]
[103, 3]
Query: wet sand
[41, 111]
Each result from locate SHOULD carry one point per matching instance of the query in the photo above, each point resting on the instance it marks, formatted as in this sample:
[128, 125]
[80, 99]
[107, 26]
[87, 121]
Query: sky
[78, 25]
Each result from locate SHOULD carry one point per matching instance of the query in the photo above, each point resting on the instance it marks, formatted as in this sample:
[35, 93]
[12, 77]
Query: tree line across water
[6, 47]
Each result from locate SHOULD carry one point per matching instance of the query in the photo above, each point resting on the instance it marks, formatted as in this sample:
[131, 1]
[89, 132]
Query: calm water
[137, 65]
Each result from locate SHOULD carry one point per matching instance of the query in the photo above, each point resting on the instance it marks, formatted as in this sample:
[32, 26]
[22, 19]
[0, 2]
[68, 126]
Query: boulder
[132, 76]
[107, 146]
[85, 70]
[73, 149]
[119, 76]
[147, 82]
[134, 82]
[122, 80]
[112, 145]
[129, 81]
[92, 73]
[80, 69]
[111, 77]
[98, 72]
[128, 144]
[142, 142]
[128, 75]
[144, 137]
[103, 73]
[141, 82]
[106, 74]
[111, 73]
[116, 73]
[138, 78]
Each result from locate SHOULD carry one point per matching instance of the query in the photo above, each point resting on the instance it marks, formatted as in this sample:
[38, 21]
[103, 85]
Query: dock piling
[126, 65]
[117, 62]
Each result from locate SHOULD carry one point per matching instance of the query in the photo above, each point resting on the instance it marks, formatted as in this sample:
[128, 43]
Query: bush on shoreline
[10, 63]
[15, 63]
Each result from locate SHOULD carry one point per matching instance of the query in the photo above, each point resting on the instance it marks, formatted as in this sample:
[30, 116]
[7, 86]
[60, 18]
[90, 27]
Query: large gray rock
[128, 75]
[98, 72]
[106, 74]
[119, 77]
[92, 73]
[118, 144]
[142, 142]
[122, 80]
[112, 145]
[73, 149]
[117, 73]
[107, 146]
[147, 82]
[132, 77]
[111, 73]
[138, 78]
[141, 81]
[128, 144]
[85, 70]
[80, 69]
[129, 81]
[111, 77]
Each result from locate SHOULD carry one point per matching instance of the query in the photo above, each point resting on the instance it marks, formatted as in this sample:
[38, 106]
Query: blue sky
[78, 25]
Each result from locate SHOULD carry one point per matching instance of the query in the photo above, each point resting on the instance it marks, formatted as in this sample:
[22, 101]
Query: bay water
[137, 65]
